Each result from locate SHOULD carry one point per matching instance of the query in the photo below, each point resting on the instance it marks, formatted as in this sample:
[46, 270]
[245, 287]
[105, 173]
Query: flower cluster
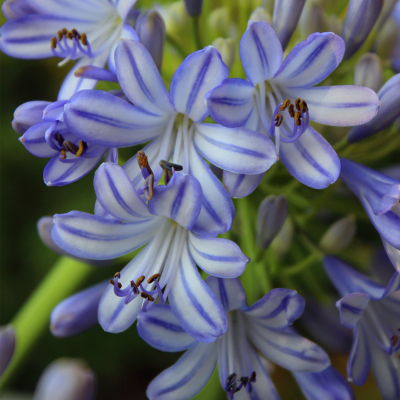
[221, 132]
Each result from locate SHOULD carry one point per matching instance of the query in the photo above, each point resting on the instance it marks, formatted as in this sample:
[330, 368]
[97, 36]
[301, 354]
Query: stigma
[298, 111]
[70, 45]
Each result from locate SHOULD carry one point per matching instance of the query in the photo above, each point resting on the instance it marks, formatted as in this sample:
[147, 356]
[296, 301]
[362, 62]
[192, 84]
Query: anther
[231, 378]
[153, 278]
[284, 105]
[54, 42]
[165, 165]
[113, 282]
[303, 106]
[297, 119]
[147, 296]
[134, 288]
[64, 31]
[60, 35]
[143, 161]
[84, 39]
[291, 110]
[63, 154]
[394, 340]
[297, 104]
[253, 377]
[82, 146]
[278, 119]
[139, 280]
[75, 33]
[69, 146]
[117, 275]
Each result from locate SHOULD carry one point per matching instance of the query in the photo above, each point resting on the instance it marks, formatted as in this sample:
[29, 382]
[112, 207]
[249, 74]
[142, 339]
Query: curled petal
[27, 115]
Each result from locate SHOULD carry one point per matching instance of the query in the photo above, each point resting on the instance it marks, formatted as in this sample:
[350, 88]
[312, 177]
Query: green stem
[301, 266]
[196, 32]
[33, 318]
[169, 39]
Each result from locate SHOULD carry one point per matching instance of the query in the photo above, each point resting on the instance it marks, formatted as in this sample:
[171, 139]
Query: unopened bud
[283, 240]
[285, 18]
[66, 379]
[261, 14]
[312, 19]
[7, 346]
[360, 19]
[368, 72]
[339, 235]
[271, 217]
[28, 114]
[220, 20]
[77, 313]
[226, 48]
[150, 28]
[194, 7]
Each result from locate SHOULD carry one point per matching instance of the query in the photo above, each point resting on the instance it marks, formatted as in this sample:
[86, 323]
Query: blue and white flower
[124, 222]
[279, 99]
[87, 31]
[264, 326]
[45, 135]
[173, 123]
[380, 195]
[372, 311]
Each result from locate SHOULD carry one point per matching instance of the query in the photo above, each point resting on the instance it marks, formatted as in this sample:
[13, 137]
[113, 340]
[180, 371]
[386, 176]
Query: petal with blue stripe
[238, 150]
[179, 200]
[311, 61]
[231, 103]
[27, 115]
[359, 362]
[199, 73]
[117, 195]
[194, 304]
[34, 140]
[216, 256]
[217, 210]
[89, 236]
[260, 52]
[101, 118]
[229, 292]
[241, 185]
[160, 329]
[139, 78]
[351, 308]
[187, 376]
[311, 160]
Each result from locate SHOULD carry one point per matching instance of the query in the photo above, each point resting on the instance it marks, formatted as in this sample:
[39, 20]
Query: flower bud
[339, 235]
[66, 379]
[312, 19]
[360, 18]
[28, 114]
[271, 216]
[226, 48]
[388, 112]
[7, 346]
[368, 72]
[283, 240]
[77, 313]
[220, 21]
[261, 14]
[150, 28]
[193, 7]
[285, 18]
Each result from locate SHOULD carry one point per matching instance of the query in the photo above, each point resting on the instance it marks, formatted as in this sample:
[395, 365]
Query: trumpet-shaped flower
[279, 100]
[72, 30]
[264, 326]
[173, 123]
[124, 222]
[372, 311]
[380, 195]
[45, 135]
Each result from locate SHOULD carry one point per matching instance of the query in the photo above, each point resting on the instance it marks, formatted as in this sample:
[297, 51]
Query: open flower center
[70, 45]
[233, 384]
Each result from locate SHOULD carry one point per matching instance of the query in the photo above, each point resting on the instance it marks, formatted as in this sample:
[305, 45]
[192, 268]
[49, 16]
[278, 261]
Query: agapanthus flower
[173, 122]
[72, 30]
[279, 100]
[379, 194]
[165, 268]
[372, 311]
[265, 326]
[45, 135]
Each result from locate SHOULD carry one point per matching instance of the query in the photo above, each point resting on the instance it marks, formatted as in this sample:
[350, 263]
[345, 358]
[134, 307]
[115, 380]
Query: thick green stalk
[196, 32]
[33, 318]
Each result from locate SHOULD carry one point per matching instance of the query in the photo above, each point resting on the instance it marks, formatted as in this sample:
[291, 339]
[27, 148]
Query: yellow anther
[278, 119]
[63, 154]
[297, 119]
[303, 106]
[142, 159]
[80, 150]
[84, 39]
[139, 280]
[147, 296]
[297, 104]
[117, 275]
[285, 105]
[153, 278]
[53, 42]
[60, 35]
[291, 110]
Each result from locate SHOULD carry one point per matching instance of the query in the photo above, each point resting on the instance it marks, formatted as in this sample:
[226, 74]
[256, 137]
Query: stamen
[69, 146]
[63, 154]
[285, 105]
[81, 148]
[117, 275]
[144, 163]
[147, 296]
[153, 278]
[297, 120]
[113, 283]
[231, 386]
[54, 42]
[291, 110]
[140, 280]
[84, 39]
[166, 165]
[134, 288]
[253, 376]
[297, 104]
[278, 120]
[303, 106]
